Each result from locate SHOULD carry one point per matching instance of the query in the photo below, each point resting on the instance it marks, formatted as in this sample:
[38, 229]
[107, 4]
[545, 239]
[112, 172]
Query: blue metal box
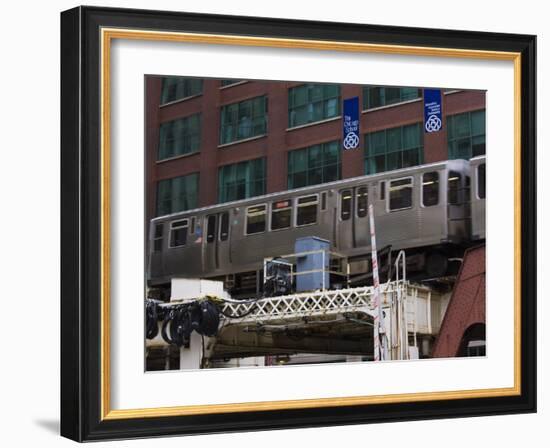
[312, 262]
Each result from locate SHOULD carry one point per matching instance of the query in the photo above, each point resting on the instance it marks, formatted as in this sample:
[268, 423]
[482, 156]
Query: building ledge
[244, 140]
[389, 106]
[180, 156]
[240, 83]
[315, 123]
[180, 100]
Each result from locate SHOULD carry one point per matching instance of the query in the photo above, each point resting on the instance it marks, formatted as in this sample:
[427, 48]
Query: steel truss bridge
[327, 321]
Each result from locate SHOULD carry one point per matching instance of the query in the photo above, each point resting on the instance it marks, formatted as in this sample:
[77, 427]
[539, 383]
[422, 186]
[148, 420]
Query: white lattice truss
[310, 304]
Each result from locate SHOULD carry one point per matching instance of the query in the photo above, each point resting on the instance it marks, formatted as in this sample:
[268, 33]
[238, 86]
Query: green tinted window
[181, 136]
[243, 120]
[309, 103]
[314, 165]
[391, 149]
[430, 189]
[400, 194]
[241, 180]
[466, 135]
[177, 194]
[384, 96]
[178, 88]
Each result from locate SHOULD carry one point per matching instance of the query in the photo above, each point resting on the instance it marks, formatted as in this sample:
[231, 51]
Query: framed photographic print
[273, 223]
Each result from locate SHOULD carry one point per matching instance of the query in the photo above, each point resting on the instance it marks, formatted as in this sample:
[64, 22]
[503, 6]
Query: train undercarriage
[434, 265]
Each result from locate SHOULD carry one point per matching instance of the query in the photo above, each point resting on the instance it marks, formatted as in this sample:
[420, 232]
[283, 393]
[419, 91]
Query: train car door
[224, 241]
[477, 195]
[361, 224]
[457, 202]
[157, 250]
[345, 219]
[210, 258]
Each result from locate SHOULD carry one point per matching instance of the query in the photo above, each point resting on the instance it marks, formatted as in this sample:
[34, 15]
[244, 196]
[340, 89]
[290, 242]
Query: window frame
[341, 204]
[356, 208]
[450, 122]
[459, 191]
[158, 225]
[365, 93]
[265, 206]
[170, 182]
[173, 122]
[223, 186]
[238, 104]
[422, 174]
[324, 147]
[478, 196]
[184, 98]
[388, 196]
[290, 108]
[382, 190]
[368, 152]
[272, 210]
[298, 205]
[220, 227]
[173, 228]
[215, 232]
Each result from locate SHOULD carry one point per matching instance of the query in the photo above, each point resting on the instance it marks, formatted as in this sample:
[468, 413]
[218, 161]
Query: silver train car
[477, 197]
[424, 210]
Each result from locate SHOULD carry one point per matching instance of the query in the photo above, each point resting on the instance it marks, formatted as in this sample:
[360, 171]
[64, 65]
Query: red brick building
[462, 331]
[211, 140]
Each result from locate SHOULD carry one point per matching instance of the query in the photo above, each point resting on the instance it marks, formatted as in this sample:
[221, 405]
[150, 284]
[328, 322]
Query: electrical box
[312, 268]
[277, 277]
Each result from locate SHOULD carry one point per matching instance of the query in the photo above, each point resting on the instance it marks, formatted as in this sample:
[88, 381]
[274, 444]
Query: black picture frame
[81, 280]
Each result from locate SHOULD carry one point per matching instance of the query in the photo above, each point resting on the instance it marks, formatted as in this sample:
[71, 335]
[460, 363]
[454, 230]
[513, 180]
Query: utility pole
[378, 320]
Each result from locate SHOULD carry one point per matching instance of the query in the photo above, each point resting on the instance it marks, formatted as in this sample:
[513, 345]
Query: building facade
[210, 141]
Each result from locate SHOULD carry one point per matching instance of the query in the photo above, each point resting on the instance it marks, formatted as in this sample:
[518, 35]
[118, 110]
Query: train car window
[481, 181]
[430, 189]
[281, 214]
[345, 205]
[192, 229]
[178, 233]
[400, 192]
[210, 228]
[382, 191]
[323, 201]
[255, 219]
[453, 194]
[224, 226]
[157, 244]
[306, 210]
[362, 201]
[466, 192]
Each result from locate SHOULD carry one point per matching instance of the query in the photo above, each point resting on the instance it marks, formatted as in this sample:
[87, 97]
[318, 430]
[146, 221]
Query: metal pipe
[415, 316]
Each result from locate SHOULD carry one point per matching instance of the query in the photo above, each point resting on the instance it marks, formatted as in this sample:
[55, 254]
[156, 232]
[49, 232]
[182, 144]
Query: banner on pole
[432, 110]
[351, 123]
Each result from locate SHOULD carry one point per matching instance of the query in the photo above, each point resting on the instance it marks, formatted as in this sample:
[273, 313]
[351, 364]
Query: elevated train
[432, 211]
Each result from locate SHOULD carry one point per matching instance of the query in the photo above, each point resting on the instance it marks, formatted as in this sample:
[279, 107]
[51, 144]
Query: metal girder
[306, 305]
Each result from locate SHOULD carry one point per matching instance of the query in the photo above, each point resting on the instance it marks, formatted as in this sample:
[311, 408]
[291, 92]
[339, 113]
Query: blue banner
[432, 110]
[351, 123]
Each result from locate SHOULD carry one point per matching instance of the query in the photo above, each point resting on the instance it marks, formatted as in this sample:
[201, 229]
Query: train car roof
[478, 158]
[402, 172]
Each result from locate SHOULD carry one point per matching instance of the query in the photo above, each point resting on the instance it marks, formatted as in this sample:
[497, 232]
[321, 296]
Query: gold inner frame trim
[107, 35]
